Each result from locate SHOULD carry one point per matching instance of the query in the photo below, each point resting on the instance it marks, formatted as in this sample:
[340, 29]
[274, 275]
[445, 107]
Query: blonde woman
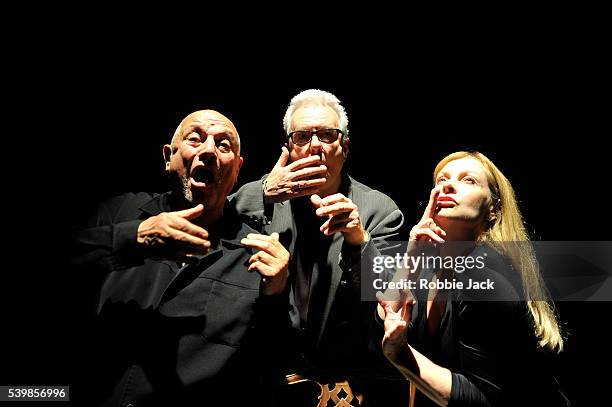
[458, 351]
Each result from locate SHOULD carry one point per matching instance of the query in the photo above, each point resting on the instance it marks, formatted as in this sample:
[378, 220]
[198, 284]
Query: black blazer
[349, 336]
[167, 333]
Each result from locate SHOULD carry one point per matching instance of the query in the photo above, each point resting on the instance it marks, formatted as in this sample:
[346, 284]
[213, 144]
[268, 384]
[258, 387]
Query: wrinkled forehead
[209, 119]
[314, 115]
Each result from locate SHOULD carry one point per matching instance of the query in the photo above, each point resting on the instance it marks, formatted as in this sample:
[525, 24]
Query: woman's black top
[489, 346]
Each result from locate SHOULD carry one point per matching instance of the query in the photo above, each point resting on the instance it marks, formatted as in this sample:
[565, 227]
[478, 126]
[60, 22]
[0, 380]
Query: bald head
[210, 117]
[204, 158]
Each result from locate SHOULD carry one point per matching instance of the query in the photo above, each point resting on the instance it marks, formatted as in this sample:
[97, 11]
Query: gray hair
[315, 97]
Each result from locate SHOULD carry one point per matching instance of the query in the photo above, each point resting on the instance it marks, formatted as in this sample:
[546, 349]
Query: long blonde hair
[505, 232]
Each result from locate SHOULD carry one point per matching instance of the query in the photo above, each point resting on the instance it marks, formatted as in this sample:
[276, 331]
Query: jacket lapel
[283, 223]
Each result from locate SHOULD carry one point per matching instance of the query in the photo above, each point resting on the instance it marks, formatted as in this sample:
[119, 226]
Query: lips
[446, 201]
[202, 176]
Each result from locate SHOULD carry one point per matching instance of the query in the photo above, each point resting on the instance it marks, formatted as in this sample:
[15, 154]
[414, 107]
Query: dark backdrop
[94, 126]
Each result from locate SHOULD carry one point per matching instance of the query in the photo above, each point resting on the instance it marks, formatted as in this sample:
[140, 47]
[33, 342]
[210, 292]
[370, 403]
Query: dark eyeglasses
[302, 137]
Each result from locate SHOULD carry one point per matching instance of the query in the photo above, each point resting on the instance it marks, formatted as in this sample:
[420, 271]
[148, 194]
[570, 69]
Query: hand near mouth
[300, 178]
[427, 229]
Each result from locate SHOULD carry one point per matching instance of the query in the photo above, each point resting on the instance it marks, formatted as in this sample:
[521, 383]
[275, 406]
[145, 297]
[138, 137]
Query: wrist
[398, 353]
[359, 238]
[274, 286]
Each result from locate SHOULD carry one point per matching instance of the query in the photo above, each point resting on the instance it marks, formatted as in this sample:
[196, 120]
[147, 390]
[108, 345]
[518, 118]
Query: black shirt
[310, 282]
[489, 346]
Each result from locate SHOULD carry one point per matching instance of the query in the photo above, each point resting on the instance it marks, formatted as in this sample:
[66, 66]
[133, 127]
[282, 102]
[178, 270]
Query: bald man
[188, 292]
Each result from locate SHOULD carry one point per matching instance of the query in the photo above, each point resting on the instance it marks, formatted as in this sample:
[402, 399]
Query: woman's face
[464, 204]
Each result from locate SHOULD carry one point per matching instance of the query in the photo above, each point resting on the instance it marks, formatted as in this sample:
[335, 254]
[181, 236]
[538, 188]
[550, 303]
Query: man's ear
[238, 170]
[167, 152]
[286, 145]
[345, 145]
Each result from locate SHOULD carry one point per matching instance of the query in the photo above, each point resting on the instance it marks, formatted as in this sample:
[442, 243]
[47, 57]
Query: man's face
[205, 156]
[333, 155]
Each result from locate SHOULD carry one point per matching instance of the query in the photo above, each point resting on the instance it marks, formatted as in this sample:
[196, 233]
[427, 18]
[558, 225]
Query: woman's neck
[459, 238]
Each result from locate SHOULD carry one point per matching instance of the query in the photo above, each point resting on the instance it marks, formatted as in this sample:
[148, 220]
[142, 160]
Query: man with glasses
[330, 222]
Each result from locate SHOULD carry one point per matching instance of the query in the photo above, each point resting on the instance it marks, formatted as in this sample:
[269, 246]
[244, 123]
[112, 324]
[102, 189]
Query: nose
[447, 187]
[207, 151]
[315, 145]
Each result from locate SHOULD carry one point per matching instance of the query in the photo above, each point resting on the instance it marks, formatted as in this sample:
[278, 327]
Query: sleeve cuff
[464, 393]
[125, 236]
[352, 254]
[125, 250]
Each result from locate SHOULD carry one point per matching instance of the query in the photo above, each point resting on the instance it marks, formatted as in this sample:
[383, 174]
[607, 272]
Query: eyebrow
[194, 129]
[461, 174]
[441, 174]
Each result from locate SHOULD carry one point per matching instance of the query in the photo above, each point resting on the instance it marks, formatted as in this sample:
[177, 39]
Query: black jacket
[167, 333]
[349, 340]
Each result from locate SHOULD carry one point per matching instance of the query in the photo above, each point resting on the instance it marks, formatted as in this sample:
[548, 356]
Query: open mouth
[202, 175]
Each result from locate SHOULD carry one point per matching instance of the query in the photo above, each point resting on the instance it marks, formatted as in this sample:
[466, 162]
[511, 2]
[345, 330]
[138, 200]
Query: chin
[444, 220]
[445, 213]
[199, 196]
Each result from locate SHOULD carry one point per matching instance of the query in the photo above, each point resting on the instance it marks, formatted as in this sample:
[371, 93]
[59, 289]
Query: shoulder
[366, 196]
[121, 207]
[363, 192]
[249, 189]
[375, 207]
[235, 226]
[129, 198]
[248, 198]
[490, 273]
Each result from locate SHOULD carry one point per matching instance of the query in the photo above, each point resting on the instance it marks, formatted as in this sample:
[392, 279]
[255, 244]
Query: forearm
[432, 380]
[110, 247]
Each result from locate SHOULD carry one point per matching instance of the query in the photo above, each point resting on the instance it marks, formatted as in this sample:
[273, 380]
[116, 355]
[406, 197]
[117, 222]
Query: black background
[90, 121]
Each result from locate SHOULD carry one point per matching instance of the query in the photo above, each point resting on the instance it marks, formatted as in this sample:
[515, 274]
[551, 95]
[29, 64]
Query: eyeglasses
[302, 137]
